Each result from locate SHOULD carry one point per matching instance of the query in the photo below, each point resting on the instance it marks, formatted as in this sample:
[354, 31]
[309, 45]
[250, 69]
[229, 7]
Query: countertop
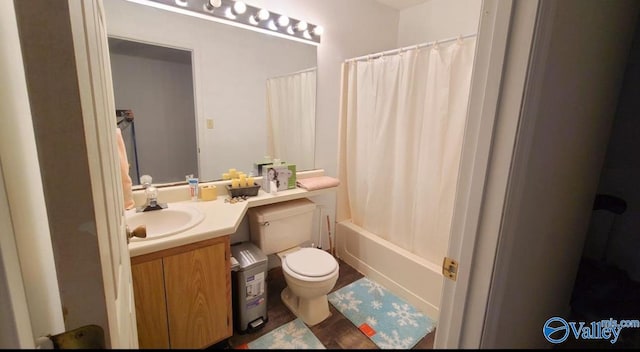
[221, 219]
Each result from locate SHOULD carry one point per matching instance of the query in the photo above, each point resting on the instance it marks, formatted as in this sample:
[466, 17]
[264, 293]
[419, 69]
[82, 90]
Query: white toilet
[310, 273]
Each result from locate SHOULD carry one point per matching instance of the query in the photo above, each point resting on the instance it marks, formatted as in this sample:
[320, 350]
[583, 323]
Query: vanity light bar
[249, 16]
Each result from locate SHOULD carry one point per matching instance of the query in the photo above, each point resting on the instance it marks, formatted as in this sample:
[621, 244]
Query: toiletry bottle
[193, 187]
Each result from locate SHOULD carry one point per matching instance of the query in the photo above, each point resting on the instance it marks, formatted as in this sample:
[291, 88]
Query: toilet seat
[310, 263]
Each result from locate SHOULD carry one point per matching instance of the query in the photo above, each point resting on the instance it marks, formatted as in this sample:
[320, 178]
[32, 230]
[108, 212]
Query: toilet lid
[311, 262]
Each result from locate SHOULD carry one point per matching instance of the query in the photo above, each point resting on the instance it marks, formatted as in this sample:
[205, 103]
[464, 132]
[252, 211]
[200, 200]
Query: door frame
[505, 43]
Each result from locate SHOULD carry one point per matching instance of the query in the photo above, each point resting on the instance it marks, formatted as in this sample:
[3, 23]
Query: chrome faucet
[152, 196]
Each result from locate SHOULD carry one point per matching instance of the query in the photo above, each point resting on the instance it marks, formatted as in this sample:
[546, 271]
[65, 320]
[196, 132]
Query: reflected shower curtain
[401, 128]
[291, 106]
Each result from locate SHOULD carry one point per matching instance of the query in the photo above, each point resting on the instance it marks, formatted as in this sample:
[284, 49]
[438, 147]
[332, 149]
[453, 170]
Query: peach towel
[127, 192]
[319, 182]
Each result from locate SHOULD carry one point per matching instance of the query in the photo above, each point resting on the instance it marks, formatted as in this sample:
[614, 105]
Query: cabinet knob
[140, 232]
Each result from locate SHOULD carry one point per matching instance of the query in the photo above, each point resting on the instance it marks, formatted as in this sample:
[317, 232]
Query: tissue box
[292, 178]
[284, 176]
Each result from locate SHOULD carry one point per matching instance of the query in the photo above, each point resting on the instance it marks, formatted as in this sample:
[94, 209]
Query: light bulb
[301, 26]
[318, 30]
[290, 30]
[272, 26]
[210, 5]
[263, 15]
[283, 21]
[239, 7]
[182, 3]
[229, 14]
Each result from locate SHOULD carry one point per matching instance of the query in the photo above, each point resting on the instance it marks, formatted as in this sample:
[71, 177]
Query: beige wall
[438, 19]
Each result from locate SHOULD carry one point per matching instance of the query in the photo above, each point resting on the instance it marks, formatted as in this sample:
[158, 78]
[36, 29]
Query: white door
[96, 87]
[504, 43]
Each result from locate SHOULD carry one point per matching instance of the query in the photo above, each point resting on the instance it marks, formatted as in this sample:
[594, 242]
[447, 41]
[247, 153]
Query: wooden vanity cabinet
[151, 305]
[183, 295]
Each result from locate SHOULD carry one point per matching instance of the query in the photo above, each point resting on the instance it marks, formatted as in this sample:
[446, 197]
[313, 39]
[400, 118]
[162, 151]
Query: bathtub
[416, 280]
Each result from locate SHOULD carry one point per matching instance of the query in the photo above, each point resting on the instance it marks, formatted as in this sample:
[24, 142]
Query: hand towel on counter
[127, 191]
[313, 183]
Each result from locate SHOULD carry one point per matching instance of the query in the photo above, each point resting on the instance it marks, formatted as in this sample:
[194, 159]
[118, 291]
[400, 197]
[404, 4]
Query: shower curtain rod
[399, 50]
[295, 73]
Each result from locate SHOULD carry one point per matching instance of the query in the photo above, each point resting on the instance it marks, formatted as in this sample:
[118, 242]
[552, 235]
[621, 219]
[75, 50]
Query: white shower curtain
[291, 107]
[401, 129]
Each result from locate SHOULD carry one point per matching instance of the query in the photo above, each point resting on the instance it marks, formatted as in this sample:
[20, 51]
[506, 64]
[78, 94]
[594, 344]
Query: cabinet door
[151, 308]
[197, 286]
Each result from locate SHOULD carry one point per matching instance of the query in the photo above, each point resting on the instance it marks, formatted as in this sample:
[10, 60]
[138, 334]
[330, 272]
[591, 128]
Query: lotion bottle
[193, 187]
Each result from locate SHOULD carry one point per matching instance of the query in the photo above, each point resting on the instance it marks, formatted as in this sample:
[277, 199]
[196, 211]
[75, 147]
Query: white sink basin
[174, 219]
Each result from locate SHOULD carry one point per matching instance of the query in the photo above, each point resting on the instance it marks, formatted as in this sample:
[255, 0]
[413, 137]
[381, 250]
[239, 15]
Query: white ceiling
[401, 4]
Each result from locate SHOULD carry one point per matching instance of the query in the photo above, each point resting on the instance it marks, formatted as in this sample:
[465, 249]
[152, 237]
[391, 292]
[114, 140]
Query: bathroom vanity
[183, 295]
[182, 282]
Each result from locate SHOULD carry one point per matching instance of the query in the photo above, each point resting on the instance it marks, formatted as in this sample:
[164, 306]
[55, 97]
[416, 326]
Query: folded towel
[319, 182]
[127, 192]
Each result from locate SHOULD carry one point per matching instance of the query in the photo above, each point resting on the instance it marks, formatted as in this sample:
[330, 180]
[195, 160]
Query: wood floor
[336, 332]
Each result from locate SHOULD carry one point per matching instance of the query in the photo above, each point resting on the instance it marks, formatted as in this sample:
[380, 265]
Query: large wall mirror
[203, 97]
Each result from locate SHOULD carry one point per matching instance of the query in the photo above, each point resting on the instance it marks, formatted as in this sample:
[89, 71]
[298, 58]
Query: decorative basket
[249, 191]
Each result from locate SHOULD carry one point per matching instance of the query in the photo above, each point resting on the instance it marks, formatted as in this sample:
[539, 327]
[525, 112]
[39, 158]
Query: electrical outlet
[210, 124]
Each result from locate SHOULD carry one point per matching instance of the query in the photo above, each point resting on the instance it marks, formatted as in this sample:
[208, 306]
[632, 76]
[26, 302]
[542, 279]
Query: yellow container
[209, 192]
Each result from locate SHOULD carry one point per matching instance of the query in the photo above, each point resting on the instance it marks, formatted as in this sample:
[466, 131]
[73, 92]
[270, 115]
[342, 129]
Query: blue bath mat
[293, 335]
[389, 321]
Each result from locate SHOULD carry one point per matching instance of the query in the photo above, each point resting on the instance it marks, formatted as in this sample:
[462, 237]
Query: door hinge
[450, 268]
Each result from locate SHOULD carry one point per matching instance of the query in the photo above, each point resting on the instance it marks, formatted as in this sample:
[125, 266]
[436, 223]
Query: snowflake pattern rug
[389, 321]
[293, 335]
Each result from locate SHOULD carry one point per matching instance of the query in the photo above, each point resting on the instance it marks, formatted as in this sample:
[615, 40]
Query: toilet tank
[280, 226]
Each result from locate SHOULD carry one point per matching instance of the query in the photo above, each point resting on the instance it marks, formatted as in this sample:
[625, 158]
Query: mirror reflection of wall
[155, 84]
[230, 70]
